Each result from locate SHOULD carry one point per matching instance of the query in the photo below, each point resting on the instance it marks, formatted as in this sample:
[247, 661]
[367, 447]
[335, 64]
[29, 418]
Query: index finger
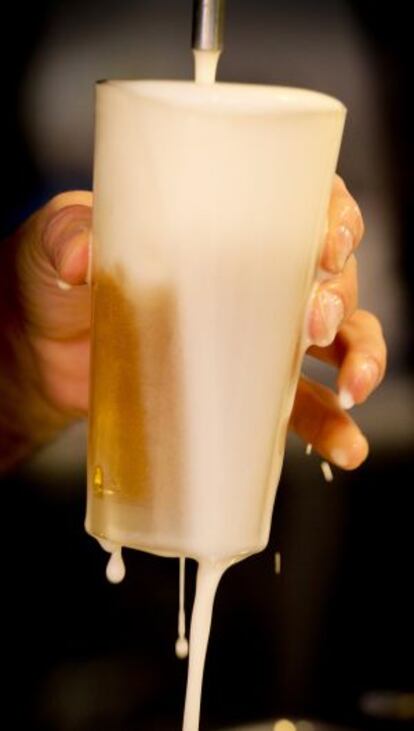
[345, 228]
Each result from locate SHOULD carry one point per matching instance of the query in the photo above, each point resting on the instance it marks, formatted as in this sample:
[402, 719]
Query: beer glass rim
[225, 96]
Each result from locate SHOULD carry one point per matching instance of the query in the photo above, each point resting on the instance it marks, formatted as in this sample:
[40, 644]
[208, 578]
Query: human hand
[49, 258]
[44, 348]
[343, 336]
[52, 265]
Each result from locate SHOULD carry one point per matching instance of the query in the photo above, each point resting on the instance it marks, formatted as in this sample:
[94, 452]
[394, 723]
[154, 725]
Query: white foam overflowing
[115, 569]
[181, 645]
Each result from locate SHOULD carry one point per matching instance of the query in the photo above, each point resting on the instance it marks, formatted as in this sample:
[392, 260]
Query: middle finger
[333, 302]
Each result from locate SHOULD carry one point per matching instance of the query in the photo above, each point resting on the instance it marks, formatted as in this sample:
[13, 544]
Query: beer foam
[181, 645]
[327, 471]
[115, 570]
[239, 98]
[205, 66]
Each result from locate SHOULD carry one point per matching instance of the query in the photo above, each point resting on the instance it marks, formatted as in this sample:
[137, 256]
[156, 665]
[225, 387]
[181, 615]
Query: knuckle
[346, 287]
[370, 322]
[71, 198]
[60, 200]
[351, 216]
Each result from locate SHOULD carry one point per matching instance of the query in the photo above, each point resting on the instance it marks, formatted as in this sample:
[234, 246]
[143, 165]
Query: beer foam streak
[205, 66]
[208, 578]
[181, 645]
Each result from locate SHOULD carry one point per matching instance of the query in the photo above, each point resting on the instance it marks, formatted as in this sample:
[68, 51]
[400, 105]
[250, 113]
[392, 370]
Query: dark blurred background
[332, 636]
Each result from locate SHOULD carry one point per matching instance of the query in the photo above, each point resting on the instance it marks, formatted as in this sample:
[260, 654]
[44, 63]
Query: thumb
[52, 251]
[63, 228]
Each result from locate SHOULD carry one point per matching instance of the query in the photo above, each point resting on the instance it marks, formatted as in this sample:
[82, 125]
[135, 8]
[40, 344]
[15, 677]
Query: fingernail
[57, 236]
[351, 217]
[339, 457]
[363, 381]
[346, 399]
[369, 371]
[353, 455]
[74, 241]
[344, 244]
[332, 312]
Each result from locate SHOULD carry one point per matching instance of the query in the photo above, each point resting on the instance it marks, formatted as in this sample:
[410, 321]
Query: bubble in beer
[98, 479]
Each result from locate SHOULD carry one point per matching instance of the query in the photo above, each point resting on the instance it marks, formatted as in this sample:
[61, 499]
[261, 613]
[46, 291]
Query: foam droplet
[327, 471]
[115, 569]
[278, 562]
[64, 286]
[181, 648]
[346, 399]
